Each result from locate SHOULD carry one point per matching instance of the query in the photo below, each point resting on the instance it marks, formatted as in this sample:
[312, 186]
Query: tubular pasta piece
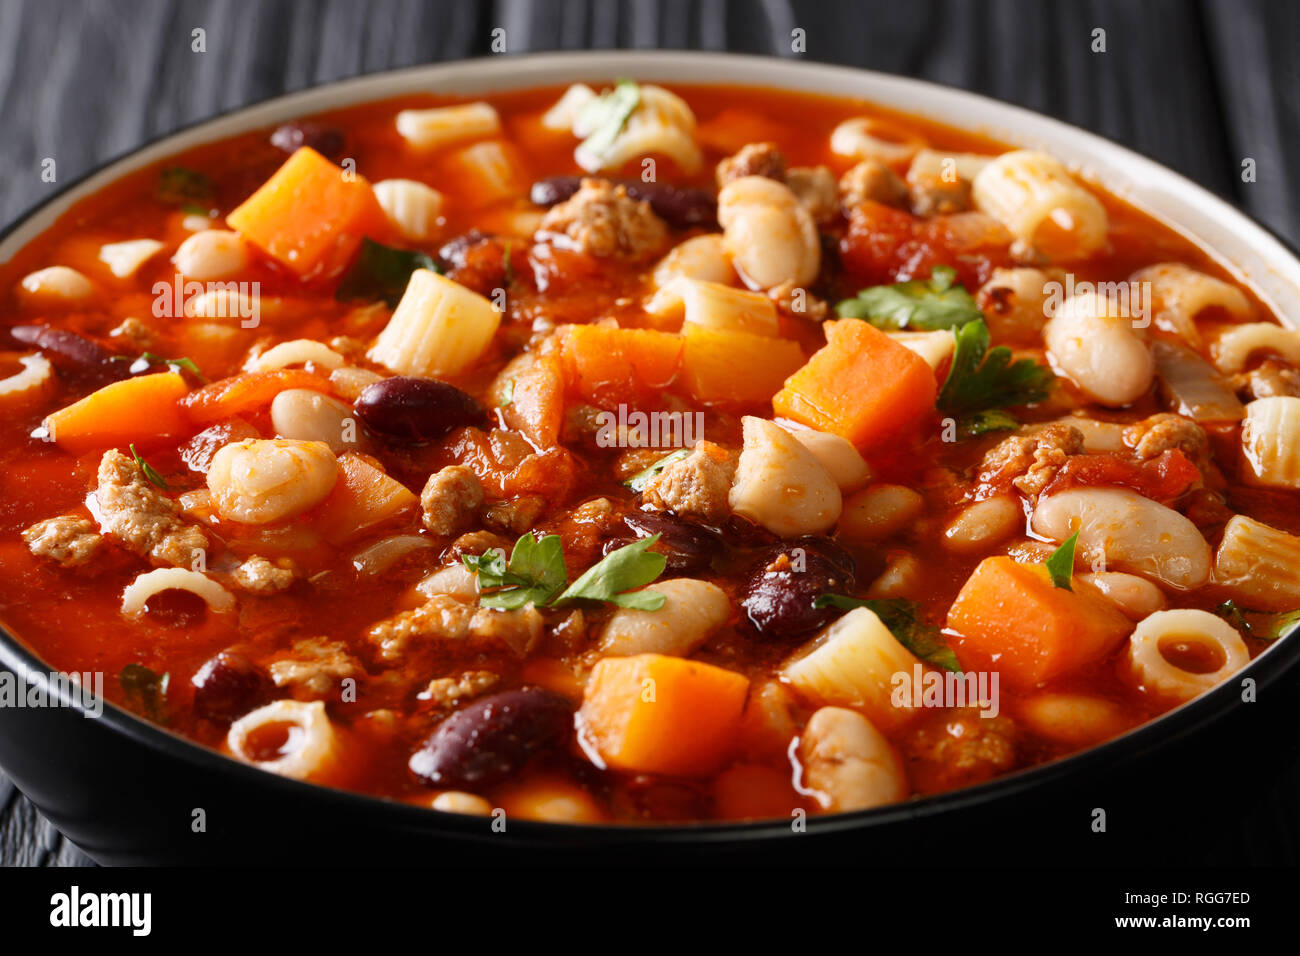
[431, 129]
[295, 352]
[859, 139]
[1270, 440]
[1039, 202]
[137, 594]
[1235, 346]
[311, 743]
[1158, 675]
[1179, 294]
[1258, 566]
[31, 381]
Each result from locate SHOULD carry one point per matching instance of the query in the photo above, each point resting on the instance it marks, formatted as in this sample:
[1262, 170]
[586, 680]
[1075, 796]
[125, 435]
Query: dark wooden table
[1198, 86]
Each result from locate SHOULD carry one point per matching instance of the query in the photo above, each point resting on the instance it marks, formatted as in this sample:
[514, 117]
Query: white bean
[1136, 597]
[701, 257]
[983, 524]
[211, 254]
[1099, 351]
[56, 286]
[848, 763]
[691, 612]
[770, 235]
[1120, 528]
[880, 511]
[307, 415]
[458, 801]
[258, 480]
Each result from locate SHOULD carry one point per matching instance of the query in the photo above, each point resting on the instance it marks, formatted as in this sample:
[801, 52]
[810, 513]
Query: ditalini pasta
[1037, 199]
[1182, 653]
[629, 453]
[290, 737]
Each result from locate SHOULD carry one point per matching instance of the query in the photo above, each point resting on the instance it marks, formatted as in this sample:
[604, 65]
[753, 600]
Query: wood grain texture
[1198, 85]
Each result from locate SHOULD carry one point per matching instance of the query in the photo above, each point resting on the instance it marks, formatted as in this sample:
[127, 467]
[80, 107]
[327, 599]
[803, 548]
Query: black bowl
[129, 792]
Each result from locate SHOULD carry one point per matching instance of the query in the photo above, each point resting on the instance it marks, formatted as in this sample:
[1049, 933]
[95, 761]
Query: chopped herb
[922, 304]
[507, 394]
[990, 420]
[904, 622]
[604, 117]
[536, 574]
[510, 266]
[613, 577]
[149, 471]
[179, 186]
[145, 691]
[380, 273]
[1260, 625]
[147, 359]
[642, 478]
[981, 379]
[1060, 566]
[194, 209]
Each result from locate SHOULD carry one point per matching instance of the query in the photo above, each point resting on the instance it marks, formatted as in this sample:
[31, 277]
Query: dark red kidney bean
[780, 590]
[325, 140]
[417, 409]
[678, 206]
[687, 547]
[228, 686]
[72, 352]
[492, 738]
[452, 252]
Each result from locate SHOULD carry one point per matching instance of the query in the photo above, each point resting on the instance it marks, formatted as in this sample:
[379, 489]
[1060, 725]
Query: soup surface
[639, 455]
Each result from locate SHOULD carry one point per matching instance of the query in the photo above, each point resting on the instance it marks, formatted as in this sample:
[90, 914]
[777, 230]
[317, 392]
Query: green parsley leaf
[534, 574]
[150, 472]
[510, 266]
[1060, 566]
[642, 478]
[380, 273]
[631, 566]
[989, 420]
[922, 304]
[179, 186]
[606, 115]
[146, 692]
[507, 394]
[904, 622]
[1260, 625]
[982, 378]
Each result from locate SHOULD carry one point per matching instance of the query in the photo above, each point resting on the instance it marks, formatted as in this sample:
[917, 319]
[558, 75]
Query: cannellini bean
[770, 235]
[702, 257]
[55, 287]
[691, 612]
[1099, 351]
[309, 747]
[307, 415]
[781, 485]
[845, 463]
[983, 524]
[902, 577]
[458, 801]
[1120, 528]
[1181, 653]
[258, 480]
[211, 254]
[1136, 597]
[879, 511]
[1015, 304]
[1075, 719]
[1098, 437]
[848, 763]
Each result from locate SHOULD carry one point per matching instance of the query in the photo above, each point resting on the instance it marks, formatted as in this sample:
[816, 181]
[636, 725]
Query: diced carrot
[736, 368]
[861, 385]
[363, 498]
[231, 397]
[530, 391]
[605, 365]
[1011, 618]
[142, 410]
[656, 714]
[309, 216]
